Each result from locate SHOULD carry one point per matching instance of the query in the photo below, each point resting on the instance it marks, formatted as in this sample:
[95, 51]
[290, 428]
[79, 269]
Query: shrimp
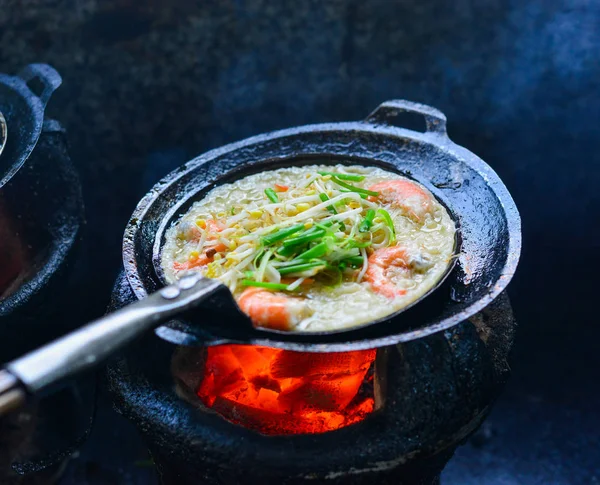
[208, 255]
[272, 310]
[212, 225]
[202, 260]
[381, 262]
[415, 201]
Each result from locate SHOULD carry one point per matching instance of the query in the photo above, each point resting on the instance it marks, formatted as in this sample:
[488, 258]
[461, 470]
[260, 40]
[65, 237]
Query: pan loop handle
[46, 78]
[435, 120]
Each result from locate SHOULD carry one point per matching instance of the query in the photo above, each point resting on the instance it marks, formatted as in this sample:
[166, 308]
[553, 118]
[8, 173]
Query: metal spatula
[91, 345]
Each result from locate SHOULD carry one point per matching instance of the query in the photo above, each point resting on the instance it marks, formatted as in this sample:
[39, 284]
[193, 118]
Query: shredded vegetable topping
[315, 231]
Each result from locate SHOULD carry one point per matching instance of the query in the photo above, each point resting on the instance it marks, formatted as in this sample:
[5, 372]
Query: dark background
[148, 85]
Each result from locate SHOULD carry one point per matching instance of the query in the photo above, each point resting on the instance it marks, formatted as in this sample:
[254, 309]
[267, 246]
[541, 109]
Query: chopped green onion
[268, 286]
[362, 196]
[326, 224]
[325, 227]
[324, 198]
[354, 261]
[353, 243]
[352, 188]
[320, 229]
[338, 254]
[297, 268]
[270, 193]
[388, 222]
[288, 251]
[258, 256]
[342, 266]
[249, 274]
[344, 176]
[281, 234]
[317, 251]
[309, 236]
[367, 222]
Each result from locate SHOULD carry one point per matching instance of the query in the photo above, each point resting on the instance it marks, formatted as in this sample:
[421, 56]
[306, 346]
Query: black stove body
[438, 390]
[438, 367]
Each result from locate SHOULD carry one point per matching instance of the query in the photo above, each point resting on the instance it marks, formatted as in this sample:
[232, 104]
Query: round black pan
[488, 222]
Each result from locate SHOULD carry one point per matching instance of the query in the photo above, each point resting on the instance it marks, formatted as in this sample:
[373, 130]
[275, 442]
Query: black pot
[41, 220]
[41, 208]
[487, 218]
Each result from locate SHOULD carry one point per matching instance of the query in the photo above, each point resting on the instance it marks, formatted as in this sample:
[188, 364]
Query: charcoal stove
[436, 392]
[386, 403]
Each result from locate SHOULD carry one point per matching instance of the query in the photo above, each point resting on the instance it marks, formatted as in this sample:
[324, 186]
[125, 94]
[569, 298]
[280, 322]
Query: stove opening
[280, 392]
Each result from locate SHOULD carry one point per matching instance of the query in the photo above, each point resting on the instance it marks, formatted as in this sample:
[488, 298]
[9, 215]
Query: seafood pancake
[316, 248]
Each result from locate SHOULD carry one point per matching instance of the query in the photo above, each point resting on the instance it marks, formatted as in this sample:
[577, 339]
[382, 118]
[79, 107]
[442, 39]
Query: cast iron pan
[486, 215]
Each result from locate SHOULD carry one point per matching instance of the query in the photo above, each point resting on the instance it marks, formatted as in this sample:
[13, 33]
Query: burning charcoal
[359, 409]
[223, 373]
[210, 388]
[251, 359]
[297, 364]
[264, 381]
[281, 392]
[265, 422]
[265, 399]
[221, 362]
[322, 395]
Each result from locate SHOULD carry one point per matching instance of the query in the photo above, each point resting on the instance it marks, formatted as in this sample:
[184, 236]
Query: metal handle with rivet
[91, 345]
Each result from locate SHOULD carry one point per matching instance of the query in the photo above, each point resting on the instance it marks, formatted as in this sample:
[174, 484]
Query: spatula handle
[12, 394]
[91, 345]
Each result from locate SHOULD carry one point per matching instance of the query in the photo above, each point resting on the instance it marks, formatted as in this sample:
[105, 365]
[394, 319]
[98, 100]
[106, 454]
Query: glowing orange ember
[282, 392]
